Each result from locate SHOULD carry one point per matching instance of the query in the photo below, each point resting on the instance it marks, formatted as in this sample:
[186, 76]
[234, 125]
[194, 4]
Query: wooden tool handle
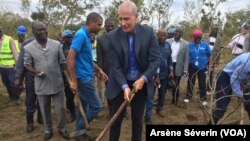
[114, 117]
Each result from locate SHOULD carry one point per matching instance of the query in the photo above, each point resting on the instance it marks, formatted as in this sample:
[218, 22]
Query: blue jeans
[90, 101]
[149, 106]
[162, 92]
[8, 79]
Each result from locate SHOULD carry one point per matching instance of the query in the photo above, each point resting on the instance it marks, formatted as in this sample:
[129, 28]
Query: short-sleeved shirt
[237, 39]
[47, 60]
[84, 59]
[199, 53]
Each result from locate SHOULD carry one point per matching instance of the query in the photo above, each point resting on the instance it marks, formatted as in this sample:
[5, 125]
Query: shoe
[148, 121]
[186, 100]
[47, 136]
[160, 113]
[65, 135]
[204, 103]
[30, 127]
[209, 92]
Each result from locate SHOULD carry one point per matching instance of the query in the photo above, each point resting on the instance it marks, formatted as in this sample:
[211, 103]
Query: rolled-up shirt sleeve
[239, 77]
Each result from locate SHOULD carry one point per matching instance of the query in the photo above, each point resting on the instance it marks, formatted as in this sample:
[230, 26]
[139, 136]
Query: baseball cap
[67, 33]
[245, 25]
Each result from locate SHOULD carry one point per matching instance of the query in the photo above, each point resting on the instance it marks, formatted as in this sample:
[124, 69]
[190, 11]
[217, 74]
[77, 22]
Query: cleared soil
[13, 120]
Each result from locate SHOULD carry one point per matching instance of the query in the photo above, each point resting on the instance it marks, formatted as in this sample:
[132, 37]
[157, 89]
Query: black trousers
[137, 112]
[176, 90]
[191, 82]
[223, 92]
[70, 104]
[31, 101]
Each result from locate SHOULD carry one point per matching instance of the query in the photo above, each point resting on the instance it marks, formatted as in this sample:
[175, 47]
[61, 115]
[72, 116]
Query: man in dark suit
[102, 46]
[135, 58]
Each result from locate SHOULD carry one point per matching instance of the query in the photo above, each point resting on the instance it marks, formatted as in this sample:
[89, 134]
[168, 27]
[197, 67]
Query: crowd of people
[129, 59]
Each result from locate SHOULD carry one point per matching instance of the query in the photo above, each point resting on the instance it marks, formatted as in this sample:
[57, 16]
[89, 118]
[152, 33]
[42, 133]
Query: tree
[210, 14]
[160, 10]
[192, 11]
[111, 10]
[64, 11]
[234, 22]
[38, 16]
[26, 7]
[10, 20]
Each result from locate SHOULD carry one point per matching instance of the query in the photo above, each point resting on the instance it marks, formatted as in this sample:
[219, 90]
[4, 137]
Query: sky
[177, 7]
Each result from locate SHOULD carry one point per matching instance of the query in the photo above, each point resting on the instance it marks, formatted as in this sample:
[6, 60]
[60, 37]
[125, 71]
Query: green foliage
[62, 12]
[38, 16]
[9, 21]
[26, 7]
[111, 11]
[234, 22]
[187, 28]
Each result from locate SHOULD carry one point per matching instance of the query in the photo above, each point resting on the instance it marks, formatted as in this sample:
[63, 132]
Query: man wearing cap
[21, 33]
[237, 42]
[8, 59]
[67, 36]
[199, 55]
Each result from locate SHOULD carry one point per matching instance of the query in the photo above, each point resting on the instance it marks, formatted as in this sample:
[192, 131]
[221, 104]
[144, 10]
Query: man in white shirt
[180, 57]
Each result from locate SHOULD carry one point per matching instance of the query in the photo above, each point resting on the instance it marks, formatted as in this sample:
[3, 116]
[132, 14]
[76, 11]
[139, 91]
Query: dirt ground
[13, 120]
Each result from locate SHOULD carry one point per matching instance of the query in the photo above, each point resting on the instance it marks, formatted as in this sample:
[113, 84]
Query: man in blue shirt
[199, 55]
[81, 69]
[232, 78]
[166, 71]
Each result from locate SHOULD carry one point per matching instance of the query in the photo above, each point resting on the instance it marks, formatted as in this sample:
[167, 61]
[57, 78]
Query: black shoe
[30, 127]
[47, 136]
[65, 135]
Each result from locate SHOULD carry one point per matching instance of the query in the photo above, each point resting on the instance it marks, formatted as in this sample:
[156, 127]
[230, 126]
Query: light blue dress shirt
[239, 71]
